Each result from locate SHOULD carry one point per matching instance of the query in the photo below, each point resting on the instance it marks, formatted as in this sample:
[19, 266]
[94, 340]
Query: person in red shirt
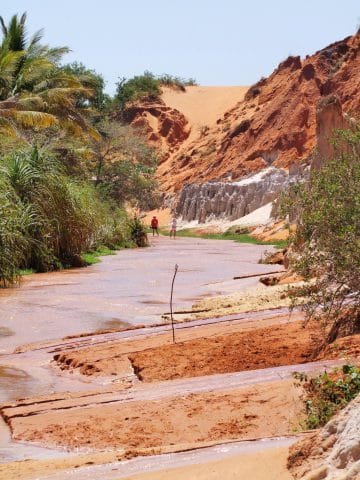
[155, 225]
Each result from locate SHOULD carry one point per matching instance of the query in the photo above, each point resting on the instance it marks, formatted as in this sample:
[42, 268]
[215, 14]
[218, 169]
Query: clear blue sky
[218, 42]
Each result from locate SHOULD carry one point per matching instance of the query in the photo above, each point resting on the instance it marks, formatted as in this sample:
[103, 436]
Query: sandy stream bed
[157, 397]
[123, 421]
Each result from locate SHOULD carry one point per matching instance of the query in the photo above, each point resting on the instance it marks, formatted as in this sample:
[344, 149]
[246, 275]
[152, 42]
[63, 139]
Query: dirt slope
[203, 106]
[180, 117]
[231, 131]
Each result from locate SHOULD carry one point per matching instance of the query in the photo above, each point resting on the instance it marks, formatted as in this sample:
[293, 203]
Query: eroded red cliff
[274, 124]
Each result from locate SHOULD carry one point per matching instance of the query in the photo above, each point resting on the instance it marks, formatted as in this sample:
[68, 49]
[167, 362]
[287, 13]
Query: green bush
[138, 232]
[125, 167]
[176, 82]
[146, 85]
[15, 221]
[113, 230]
[326, 394]
[47, 219]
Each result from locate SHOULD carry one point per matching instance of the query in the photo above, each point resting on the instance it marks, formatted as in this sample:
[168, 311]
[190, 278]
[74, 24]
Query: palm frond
[36, 37]
[31, 102]
[3, 26]
[7, 129]
[34, 91]
[9, 63]
[16, 33]
[31, 119]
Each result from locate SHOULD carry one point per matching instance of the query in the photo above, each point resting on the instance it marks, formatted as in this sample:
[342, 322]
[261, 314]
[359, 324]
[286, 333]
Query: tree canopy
[34, 91]
[68, 173]
[325, 248]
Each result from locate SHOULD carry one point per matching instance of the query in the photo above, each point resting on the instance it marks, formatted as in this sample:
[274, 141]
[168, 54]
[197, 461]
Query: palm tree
[34, 91]
[15, 33]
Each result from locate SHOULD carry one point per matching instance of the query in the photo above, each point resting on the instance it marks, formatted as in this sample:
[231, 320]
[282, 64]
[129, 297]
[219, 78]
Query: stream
[130, 288]
[127, 290]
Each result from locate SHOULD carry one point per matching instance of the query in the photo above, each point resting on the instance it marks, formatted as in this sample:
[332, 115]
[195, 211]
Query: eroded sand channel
[93, 402]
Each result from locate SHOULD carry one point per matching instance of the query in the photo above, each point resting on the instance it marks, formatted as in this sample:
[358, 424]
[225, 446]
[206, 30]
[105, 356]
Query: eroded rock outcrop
[165, 127]
[334, 452]
[329, 116]
[232, 200]
[275, 124]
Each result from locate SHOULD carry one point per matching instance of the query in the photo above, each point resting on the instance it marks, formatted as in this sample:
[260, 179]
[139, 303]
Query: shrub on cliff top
[147, 85]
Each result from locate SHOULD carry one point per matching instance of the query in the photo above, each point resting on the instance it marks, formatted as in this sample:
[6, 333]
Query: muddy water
[131, 287]
[14, 383]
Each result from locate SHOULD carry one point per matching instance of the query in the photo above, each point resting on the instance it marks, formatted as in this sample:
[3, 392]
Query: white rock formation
[220, 200]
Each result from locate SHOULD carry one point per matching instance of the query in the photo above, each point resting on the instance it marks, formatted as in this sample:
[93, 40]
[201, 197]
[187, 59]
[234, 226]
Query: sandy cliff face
[333, 453]
[245, 130]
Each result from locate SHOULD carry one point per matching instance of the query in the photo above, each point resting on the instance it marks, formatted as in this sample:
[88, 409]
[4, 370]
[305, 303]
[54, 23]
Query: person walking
[155, 225]
[173, 228]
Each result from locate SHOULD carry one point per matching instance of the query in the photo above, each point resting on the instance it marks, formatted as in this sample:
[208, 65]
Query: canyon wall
[284, 122]
[219, 200]
[166, 128]
[273, 123]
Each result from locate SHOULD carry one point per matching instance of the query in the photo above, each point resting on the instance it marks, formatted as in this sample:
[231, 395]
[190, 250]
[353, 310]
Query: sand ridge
[203, 105]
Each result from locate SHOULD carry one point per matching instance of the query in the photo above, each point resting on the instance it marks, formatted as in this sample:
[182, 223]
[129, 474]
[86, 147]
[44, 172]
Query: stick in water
[171, 300]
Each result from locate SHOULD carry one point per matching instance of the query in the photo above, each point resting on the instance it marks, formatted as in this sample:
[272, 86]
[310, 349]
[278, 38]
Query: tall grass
[47, 220]
[15, 221]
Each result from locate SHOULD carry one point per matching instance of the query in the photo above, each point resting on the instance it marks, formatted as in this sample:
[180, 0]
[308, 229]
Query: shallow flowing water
[131, 287]
[126, 289]
[127, 468]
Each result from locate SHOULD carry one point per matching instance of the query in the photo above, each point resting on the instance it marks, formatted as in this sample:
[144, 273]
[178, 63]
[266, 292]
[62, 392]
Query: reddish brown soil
[250, 412]
[209, 349]
[164, 126]
[274, 123]
[204, 350]
[267, 347]
[112, 358]
[346, 347]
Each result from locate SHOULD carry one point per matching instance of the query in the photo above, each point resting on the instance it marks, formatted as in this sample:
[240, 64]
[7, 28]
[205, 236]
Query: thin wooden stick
[171, 301]
[259, 274]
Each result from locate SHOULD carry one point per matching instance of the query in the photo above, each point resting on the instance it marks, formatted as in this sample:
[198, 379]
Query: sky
[223, 42]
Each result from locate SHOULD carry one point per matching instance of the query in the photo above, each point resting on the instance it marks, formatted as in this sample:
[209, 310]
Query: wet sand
[255, 411]
[264, 465]
[256, 460]
[86, 393]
